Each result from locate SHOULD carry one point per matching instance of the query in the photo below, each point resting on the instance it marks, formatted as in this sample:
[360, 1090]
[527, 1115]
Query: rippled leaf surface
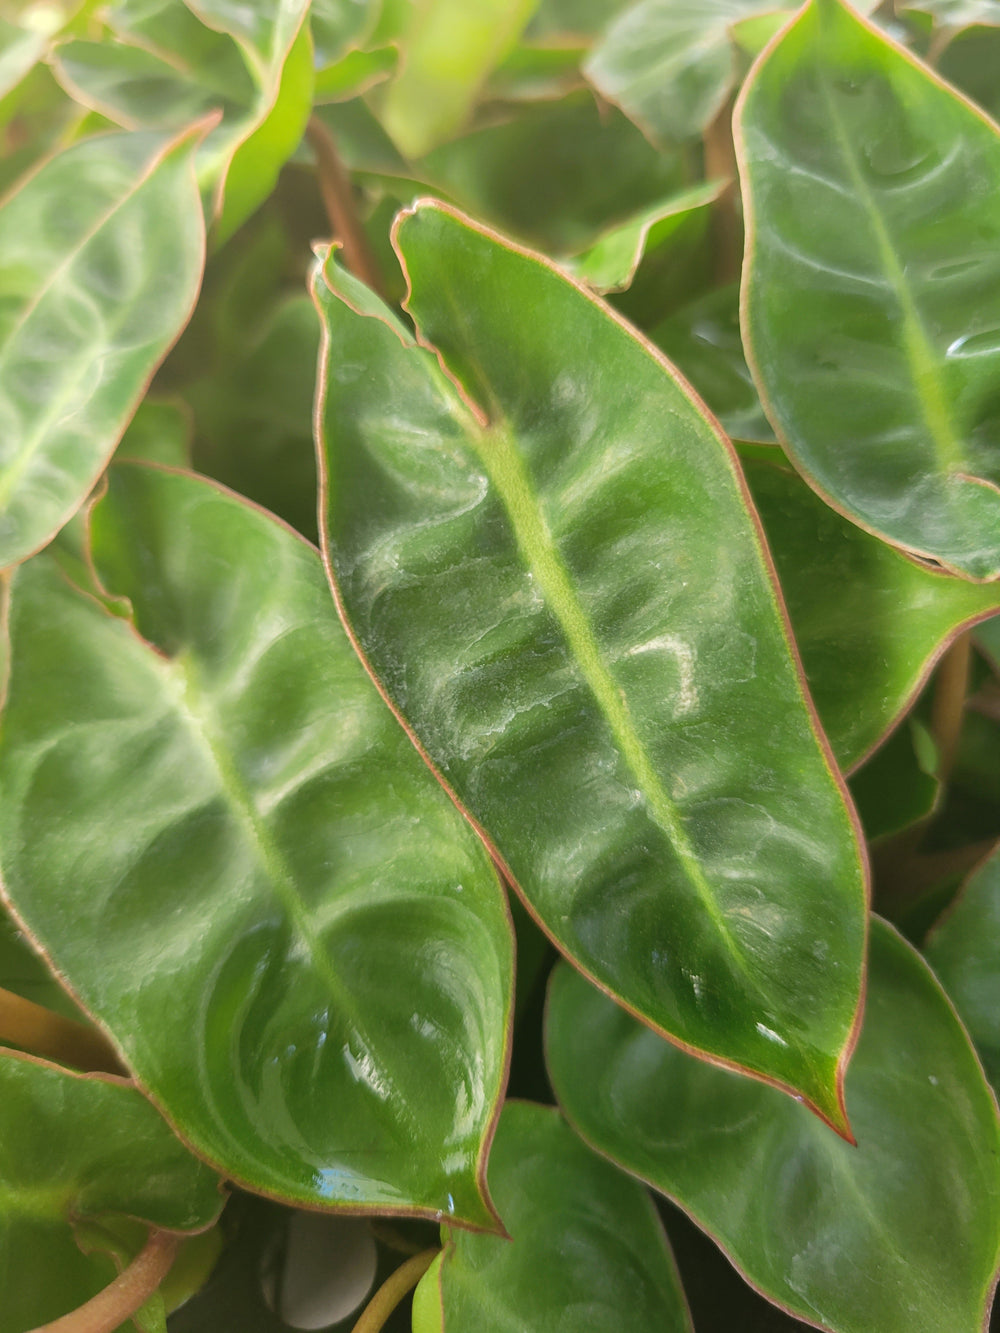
[869, 622]
[295, 941]
[74, 1150]
[101, 254]
[874, 259]
[563, 591]
[901, 1233]
[964, 950]
[588, 1248]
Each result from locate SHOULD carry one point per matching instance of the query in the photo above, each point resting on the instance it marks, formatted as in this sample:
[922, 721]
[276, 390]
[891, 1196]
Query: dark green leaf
[874, 261]
[588, 1249]
[527, 564]
[900, 1234]
[101, 253]
[324, 953]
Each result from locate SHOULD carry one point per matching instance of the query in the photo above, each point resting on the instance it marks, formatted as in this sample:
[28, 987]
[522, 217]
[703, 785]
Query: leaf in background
[901, 1233]
[20, 50]
[557, 174]
[896, 789]
[988, 639]
[956, 13]
[73, 1150]
[562, 590]
[610, 264]
[873, 259]
[703, 340]
[448, 49]
[253, 417]
[964, 950]
[24, 973]
[588, 1249]
[160, 432]
[970, 61]
[101, 254]
[534, 71]
[338, 26]
[354, 74]
[580, 18]
[869, 622]
[324, 951]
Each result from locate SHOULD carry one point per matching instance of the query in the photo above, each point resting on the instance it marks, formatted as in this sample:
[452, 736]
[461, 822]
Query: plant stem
[338, 200]
[948, 705]
[130, 1290]
[720, 161]
[392, 1291]
[40, 1031]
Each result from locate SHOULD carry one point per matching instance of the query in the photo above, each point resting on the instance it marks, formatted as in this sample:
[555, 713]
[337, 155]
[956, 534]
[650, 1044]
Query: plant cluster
[500, 725]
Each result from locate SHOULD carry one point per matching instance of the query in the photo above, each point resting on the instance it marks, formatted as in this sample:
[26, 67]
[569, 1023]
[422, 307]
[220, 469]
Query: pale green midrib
[269, 854]
[918, 346]
[508, 473]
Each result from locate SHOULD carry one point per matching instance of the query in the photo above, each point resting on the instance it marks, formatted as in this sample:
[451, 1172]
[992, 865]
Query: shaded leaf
[75, 1149]
[895, 789]
[912, 1214]
[355, 73]
[970, 62]
[529, 577]
[20, 49]
[101, 253]
[964, 950]
[325, 955]
[869, 622]
[160, 432]
[588, 1248]
[340, 25]
[873, 259]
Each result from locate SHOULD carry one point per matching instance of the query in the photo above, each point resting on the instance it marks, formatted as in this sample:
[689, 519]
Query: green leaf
[957, 13]
[101, 254]
[448, 50]
[338, 26]
[527, 563]
[895, 790]
[24, 973]
[964, 950]
[325, 954]
[869, 623]
[20, 50]
[75, 1149]
[900, 1234]
[873, 259]
[610, 264]
[354, 74]
[160, 432]
[588, 1250]
[969, 61]
[703, 340]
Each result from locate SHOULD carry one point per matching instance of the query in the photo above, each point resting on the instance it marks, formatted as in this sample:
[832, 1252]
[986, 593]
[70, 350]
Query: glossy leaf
[610, 264]
[77, 1150]
[448, 50]
[901, 1233]
[588, 1249]
[101, 253]
[527, 565]
[324, 953]
[703, 341]
[873, 259]
[869, 622]
[964, 950]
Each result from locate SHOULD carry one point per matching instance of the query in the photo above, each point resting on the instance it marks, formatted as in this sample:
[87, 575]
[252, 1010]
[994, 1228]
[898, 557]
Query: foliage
[499, 710]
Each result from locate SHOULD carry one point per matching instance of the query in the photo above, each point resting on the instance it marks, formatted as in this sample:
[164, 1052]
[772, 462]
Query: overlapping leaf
[563, 591]
[964, 950]
[874, 262]
[901, 1233]
[101, 254]
[868, 621]
[293, 938]
[77, 1150]
[588, 1248]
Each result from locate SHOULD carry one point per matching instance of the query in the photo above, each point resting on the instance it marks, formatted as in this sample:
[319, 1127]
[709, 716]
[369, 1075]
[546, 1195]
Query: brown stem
[40, 1031]
[338, 200]
[392, 1291]
[720, 161]
[948, 704]
[130, 1290]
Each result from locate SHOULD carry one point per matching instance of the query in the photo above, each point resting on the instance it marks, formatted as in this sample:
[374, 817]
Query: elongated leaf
[449, 49]
[324, 954]
[964, 950]
[900, 1234]
[869, 622]
[530, 579]
[703, 340]
[873, 260]
[77, 1149]
[588, 1249]
[101, 253]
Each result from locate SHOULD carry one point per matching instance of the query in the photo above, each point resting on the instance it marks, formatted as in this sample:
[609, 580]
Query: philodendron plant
[500, 656]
